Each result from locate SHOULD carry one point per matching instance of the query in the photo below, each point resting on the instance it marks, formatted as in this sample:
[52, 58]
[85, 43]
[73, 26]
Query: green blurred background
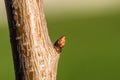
[92, 28]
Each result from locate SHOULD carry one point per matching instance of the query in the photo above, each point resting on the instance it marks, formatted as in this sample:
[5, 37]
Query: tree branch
[35, 57]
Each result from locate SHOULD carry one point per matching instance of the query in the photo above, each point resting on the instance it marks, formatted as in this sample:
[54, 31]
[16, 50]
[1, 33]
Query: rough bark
[35, 57]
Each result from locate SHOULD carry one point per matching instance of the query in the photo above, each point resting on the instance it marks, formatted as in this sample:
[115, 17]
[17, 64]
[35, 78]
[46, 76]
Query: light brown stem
[35, 57]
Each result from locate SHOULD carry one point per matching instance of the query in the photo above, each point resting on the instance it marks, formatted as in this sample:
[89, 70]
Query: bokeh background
[92, 28]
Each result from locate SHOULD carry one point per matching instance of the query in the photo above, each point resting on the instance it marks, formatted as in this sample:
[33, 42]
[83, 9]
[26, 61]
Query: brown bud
[60, 43]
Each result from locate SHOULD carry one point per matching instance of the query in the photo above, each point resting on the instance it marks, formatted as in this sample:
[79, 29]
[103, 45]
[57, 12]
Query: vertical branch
[35, 58]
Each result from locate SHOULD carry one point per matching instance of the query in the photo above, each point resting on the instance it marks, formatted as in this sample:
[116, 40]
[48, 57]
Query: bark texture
[35, 57]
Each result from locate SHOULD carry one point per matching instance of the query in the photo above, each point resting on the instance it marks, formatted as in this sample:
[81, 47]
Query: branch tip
[60, 43]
